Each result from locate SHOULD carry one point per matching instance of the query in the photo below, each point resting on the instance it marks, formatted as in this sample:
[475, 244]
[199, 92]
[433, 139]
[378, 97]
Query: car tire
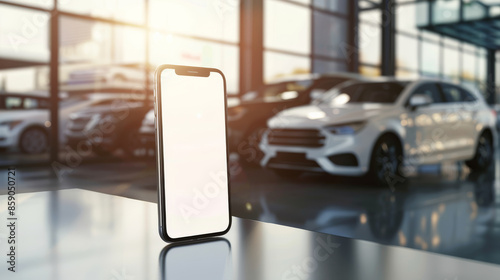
[34, 140]
[484, 153]
[387, 161]
[287, 174]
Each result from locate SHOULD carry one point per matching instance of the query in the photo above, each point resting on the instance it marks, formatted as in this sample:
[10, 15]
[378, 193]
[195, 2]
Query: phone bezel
[186, 71]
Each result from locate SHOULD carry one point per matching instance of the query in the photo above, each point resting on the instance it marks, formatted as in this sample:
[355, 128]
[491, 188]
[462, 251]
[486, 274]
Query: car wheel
[483, 155]
[253, 141]
[287, 174]
[34, 141]
[386, 161]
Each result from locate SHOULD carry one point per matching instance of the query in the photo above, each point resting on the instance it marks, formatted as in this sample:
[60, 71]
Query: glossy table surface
[76, 234]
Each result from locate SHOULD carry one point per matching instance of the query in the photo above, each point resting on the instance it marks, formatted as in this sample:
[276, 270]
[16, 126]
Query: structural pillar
[353, 37]
[251, 45]
[490, 77]
[54, 85]
[388, 38]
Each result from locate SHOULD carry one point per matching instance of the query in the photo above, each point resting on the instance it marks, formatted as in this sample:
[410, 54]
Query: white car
[381, 127]
[25, 119]
[24, 122]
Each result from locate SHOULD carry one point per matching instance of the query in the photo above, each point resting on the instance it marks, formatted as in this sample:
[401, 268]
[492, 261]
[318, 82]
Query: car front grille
[296, 137]
[292, 159]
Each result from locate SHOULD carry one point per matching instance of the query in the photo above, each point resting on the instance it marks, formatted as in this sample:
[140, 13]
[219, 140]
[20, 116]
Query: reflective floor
[78, 234]
[443, 209]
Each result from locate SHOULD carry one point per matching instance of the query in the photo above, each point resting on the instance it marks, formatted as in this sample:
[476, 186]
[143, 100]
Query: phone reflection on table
[208, 259]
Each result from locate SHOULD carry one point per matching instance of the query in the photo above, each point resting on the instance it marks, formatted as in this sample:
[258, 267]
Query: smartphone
[209, 260]
[191, 152]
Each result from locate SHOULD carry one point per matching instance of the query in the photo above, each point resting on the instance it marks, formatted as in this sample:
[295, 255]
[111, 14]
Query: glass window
[468, 66]
[445, 11]
[332, 5]
[123, 10]
[467, 96]
[450, 42]
[13, 103]
[369, 44]
[481, 61]
[101, 56]
[47, 4]
[429, 61]
[373, 16]
[24, 34]
[33, 80]
[474, 10]
[85, 41]
[366, 4]
[30, 103]
[422, 17]
[453, 93]
[431, 90]
[331, 36]
[406, 52]
[430, 35]
[166, 48]
[406, 18]
[209, 19]
[277, 65]
[287, 27]
[365, 93]
[468, 47]
[451, 64]
[327, 66]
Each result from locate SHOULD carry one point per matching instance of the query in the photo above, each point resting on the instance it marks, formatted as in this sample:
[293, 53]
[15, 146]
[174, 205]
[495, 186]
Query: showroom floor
[442, 209]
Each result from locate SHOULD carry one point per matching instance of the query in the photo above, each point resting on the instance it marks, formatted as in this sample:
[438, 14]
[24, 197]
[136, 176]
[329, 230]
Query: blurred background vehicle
[110, 75]
[24, 123]
[376, 127]
[247, 120]
[109, 124]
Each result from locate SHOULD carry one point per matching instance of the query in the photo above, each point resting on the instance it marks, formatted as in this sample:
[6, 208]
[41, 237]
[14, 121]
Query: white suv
[381, 127]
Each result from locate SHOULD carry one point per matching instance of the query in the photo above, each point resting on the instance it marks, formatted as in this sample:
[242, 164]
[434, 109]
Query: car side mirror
[419, 100]
[316, 93]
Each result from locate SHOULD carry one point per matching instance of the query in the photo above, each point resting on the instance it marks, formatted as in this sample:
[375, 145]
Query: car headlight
[12, 124]
[235, 113]
[346, 129]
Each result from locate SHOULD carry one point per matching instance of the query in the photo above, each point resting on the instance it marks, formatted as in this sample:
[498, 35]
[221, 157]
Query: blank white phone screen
[194, 154]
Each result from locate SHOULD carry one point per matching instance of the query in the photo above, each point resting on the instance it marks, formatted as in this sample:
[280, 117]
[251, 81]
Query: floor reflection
[208, 259]
[443, 209]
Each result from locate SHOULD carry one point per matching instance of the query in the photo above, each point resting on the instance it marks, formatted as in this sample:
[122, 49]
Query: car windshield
[387, 92]
[285, 90]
